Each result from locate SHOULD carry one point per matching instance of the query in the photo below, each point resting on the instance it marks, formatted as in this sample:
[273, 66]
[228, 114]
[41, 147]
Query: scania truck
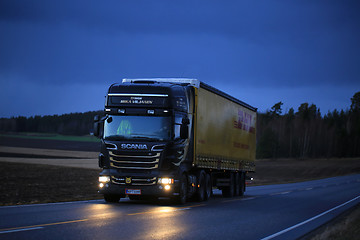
[175, 138]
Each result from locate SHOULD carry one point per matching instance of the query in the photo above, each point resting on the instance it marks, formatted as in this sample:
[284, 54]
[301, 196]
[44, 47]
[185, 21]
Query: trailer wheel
[200, 193]
[182, 197]
[208, 186]
[112, 198]
[229, 190]
[242, 184]
[237, 184]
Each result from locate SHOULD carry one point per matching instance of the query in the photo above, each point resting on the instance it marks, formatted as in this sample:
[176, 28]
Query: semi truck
[176, 138]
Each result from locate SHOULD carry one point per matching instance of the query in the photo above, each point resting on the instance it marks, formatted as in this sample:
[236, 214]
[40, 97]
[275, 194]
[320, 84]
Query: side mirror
[184, 129]
[96, 118]
[185, 121]
[97, 125]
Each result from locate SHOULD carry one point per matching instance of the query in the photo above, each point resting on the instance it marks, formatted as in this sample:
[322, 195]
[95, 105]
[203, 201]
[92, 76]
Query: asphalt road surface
[286, 211]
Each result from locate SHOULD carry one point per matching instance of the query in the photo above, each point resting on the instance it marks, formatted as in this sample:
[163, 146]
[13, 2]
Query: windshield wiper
[116, 137]
[145, 137]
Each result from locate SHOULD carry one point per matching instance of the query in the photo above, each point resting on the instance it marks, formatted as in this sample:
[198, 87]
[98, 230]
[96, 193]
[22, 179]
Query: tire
[229, 190]
[208, 186]
[242, 185]
[200, 192]
[182, 197]
[237, 184]
[111, 198]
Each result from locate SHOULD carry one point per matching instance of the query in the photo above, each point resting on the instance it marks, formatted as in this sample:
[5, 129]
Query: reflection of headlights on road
[104, 179]
[166, 181]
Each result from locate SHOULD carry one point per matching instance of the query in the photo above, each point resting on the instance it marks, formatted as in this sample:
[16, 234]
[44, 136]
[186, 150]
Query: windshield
[137, 127]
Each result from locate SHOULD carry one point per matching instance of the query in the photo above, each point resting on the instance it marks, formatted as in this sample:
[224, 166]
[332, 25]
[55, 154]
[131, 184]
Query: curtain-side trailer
[176, 138]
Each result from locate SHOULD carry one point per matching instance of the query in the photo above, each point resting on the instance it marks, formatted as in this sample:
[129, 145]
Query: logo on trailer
[134, 146]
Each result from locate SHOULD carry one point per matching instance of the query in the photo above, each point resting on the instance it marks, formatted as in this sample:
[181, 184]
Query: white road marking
[280, 193]
[249, 198]
[21, 229]
[309, 220]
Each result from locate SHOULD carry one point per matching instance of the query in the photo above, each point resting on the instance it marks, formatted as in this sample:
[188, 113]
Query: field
[46, 172]
[54, 180]
[50, 136]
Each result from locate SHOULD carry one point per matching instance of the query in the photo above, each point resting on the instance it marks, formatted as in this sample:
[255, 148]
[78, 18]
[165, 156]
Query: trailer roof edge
[227, 96]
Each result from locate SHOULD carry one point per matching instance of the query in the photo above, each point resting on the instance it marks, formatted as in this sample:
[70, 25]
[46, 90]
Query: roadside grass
[35, 183]
[276, 171]
[346, 226]
[51, 136]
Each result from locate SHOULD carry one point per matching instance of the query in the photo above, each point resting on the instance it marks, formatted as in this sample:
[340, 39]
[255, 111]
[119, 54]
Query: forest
[304, 133]
[66, 124]
[307, 134]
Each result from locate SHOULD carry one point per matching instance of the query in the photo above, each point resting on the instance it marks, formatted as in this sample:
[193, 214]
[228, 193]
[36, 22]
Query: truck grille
[136, 181]
[131, 161]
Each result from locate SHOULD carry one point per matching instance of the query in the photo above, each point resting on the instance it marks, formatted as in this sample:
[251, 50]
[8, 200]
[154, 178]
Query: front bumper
[157, 190]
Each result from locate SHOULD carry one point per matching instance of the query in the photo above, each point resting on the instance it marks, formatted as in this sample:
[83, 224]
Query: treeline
[296, 134]
[66, 124]
[306, 134]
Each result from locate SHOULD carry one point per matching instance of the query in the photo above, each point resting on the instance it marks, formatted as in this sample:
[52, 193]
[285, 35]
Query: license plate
[133, 191]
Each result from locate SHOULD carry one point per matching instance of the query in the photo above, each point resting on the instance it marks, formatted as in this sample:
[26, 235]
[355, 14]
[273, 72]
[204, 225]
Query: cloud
[277, 44]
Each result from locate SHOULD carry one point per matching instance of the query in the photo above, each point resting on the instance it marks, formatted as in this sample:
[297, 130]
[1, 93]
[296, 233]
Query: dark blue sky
[60, 56]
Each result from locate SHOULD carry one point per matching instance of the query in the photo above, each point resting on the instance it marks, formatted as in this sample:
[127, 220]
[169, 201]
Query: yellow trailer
[225, 131]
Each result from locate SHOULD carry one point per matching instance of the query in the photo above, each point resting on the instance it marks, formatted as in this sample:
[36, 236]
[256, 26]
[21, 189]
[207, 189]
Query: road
[286, 211]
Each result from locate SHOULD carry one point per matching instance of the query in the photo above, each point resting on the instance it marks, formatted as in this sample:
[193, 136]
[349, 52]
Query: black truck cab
[145, 139]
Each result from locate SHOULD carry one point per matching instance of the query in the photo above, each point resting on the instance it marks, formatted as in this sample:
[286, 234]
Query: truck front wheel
[182, 197]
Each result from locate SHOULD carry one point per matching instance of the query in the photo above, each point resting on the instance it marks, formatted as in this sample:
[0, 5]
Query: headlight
[166, 181]
[104, 179]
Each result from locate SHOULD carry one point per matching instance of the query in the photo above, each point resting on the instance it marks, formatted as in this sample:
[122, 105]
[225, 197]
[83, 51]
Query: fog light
[101, 185]
[167, 187]
[104, 179]
[166, 181]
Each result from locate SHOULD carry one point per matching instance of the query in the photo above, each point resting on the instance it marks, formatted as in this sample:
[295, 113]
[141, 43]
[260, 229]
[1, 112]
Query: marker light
[104, 179]
[166, 181]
